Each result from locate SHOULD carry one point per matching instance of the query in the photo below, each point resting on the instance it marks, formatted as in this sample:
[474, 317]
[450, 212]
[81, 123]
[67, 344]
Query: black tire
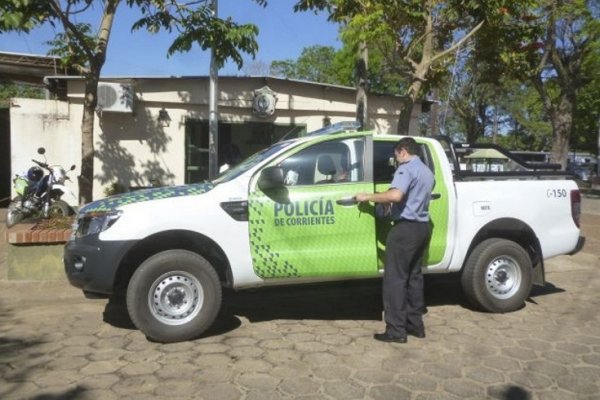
[13, 214]
[497, 276]
[59, 208]
[174, 296]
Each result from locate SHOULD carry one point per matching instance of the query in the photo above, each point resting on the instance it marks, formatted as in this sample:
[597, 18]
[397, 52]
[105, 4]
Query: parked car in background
[582, 172]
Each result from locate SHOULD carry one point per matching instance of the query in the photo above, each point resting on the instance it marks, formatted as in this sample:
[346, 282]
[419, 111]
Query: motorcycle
[40, 193]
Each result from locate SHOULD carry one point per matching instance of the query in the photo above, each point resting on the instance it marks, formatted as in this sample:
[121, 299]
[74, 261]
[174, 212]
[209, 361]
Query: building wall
[44, 123]
[133, 149]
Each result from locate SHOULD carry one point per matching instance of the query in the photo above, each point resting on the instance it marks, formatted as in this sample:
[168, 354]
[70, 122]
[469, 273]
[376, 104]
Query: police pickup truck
[287, 215]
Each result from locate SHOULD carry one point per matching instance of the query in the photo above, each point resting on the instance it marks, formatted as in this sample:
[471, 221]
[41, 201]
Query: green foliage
[197, 24]
[71, 54]
[315, 63]
[530, 124]
[586, 123]
[325, 64]
[23, 15]
[550, 47]
[9, 90]
[411, 43]
[79, 48]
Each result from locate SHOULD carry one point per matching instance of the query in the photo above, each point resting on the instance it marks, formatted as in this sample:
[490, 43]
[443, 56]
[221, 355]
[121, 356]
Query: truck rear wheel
[497, 276]
[174, 296]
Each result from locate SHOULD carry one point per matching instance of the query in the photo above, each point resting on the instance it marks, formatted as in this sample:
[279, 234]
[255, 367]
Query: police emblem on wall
[263, 103]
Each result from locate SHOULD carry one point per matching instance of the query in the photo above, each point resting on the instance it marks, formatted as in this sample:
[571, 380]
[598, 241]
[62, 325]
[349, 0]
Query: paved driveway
[312, 343]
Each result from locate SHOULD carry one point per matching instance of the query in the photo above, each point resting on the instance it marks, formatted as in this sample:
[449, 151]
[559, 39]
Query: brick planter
[35, 254]
[25, 234]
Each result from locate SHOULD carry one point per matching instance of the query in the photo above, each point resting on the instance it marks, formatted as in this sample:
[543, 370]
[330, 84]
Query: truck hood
[113, 202]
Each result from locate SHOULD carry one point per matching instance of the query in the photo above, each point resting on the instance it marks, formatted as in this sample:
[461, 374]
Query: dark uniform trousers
[403, 297]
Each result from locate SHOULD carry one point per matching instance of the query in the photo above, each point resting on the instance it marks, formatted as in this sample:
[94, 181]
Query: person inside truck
[409, 193]
[322, 164]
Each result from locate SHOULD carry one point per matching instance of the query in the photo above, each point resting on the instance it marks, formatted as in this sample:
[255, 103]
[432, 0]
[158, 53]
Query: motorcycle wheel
[59, 208]
[13, 214]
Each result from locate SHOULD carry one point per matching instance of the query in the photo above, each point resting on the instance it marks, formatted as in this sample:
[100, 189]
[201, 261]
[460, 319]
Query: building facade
[154, 131]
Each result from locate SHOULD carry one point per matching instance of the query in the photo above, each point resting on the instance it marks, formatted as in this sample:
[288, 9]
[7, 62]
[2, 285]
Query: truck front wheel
[497, 276]
[174, 296]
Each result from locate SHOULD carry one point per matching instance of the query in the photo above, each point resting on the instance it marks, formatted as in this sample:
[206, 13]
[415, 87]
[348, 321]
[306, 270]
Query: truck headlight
[94, 222]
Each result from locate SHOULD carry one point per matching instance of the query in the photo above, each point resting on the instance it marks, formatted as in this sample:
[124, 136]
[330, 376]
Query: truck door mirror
[270, 178]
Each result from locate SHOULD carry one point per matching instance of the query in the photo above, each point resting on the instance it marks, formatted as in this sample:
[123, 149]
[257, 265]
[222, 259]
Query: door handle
[347, 201]
[435, 196]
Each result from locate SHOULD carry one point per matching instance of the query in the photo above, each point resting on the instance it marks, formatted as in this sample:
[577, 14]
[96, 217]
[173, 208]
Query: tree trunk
[420, 71]
[404, 119]
[86, 179]
[434, 113]
[562, 124]
[97, 57]
[472, 128]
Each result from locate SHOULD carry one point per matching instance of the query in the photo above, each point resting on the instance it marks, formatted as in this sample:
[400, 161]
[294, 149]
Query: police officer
[408, 201]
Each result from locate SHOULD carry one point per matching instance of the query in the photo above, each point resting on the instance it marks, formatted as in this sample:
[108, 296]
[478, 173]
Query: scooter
[41, 194]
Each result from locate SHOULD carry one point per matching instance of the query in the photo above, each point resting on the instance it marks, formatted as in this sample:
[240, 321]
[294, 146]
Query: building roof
[265, 78]
[29, 68]
[38, 69]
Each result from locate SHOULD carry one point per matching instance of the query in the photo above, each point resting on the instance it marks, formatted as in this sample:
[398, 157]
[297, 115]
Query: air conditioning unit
[115, 97]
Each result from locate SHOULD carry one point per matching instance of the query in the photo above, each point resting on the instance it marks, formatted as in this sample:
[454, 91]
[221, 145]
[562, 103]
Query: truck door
[383, 172]
[304, 229]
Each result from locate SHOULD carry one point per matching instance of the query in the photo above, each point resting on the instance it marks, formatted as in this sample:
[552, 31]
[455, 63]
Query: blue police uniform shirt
[415, 180]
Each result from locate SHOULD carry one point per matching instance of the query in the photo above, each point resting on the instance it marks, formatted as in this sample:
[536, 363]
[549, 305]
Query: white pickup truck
[286, 215]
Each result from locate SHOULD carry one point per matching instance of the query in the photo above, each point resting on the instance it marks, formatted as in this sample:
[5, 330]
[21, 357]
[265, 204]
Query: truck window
[334, 161]
[384, 161]
[250, 162]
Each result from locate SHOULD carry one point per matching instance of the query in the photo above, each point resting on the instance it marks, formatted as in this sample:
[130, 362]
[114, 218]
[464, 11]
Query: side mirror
[270, 178]
[41, 150]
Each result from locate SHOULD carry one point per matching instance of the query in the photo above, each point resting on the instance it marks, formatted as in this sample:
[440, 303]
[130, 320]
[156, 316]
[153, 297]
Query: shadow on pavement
[349, 300]
[115, 312]
[324, 301]
[18, 357]
[511, 392]
[72, 394]
[19, 361]
[548, 288]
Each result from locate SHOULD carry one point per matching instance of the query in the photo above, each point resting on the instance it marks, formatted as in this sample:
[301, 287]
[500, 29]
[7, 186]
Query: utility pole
[598, 156]
[213, 112]
[362, 113]
[434, 112]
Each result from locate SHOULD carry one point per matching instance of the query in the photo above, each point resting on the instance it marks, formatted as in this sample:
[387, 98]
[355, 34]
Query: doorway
[5, 173]
[236, 142]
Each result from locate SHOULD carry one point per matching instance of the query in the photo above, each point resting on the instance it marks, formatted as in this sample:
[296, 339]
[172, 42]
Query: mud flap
[538, 276]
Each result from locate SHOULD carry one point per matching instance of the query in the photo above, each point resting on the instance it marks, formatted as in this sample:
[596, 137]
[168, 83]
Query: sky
[282, 35]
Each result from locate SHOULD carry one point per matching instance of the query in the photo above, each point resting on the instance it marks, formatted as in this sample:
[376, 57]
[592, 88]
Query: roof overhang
[29, 68]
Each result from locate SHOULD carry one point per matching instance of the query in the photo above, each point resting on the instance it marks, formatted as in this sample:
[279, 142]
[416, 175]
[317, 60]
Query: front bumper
[580, 244]
[92, 264]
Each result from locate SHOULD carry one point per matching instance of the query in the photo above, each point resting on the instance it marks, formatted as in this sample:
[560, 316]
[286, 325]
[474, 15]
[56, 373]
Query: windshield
[250, 162]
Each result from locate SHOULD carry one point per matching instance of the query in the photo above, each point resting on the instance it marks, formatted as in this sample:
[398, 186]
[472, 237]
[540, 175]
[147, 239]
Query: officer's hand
[362, 197]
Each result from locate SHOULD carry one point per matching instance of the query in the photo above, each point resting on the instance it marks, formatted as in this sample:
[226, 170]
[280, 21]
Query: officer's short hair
[409, 144]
